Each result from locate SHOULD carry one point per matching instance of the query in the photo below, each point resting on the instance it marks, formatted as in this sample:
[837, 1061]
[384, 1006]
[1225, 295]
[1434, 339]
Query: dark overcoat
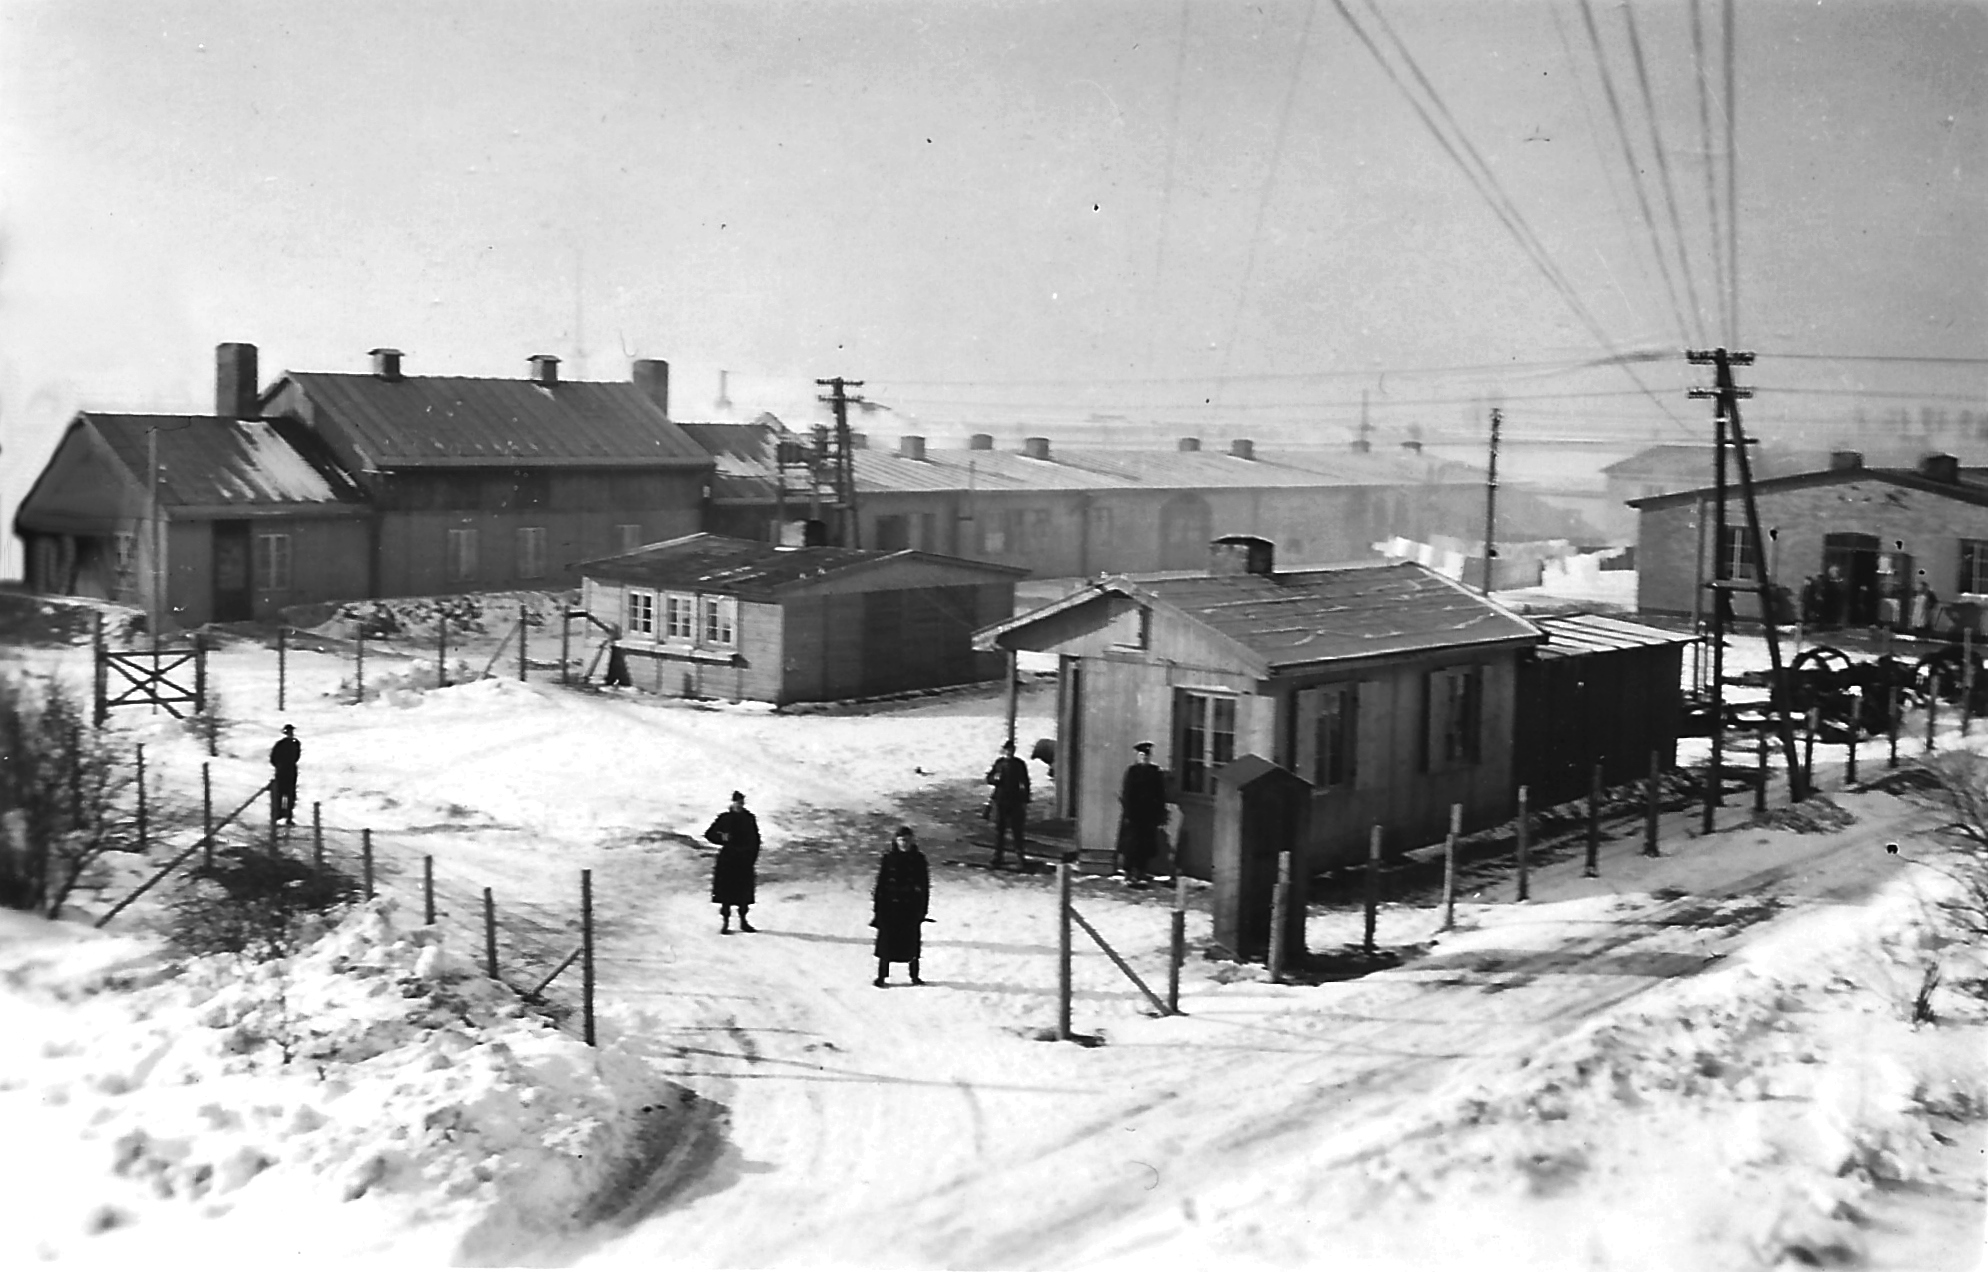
[899, 901]
[735, 874]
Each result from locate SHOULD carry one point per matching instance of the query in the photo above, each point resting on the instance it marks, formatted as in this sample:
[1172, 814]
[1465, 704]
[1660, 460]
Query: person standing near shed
[283, 759]
[1142, 811]
[1010, 779]
[735, 875]
[899, 903]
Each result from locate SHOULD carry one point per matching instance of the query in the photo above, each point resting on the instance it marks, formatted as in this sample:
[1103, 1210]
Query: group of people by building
[1829, 600]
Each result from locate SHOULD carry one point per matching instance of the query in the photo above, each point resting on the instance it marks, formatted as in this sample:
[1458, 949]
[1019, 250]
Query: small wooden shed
[709, 616]
[1598, 690]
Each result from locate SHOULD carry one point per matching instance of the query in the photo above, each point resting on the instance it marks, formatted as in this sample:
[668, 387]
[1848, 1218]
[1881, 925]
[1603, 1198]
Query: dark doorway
[233, 601]
[1851, 562]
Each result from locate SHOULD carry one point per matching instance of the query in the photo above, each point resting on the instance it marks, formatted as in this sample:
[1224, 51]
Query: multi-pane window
[627, 538]
[641, 614]
[531, 552]
[679, 616]
[993, 534]
[721, 617]
[461, 564]
[1327, 724]
[126, 546]
[272, 562]
[1452, 739]
[1973, 565]
[1207, 741]
[1739, 558]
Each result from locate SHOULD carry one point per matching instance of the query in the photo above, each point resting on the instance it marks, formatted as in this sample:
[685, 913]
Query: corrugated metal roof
[1571, 635]
[747, 567]
[1964, 491]
[1093, 468]
[207, 461]
[1311, 616]
[435, 420]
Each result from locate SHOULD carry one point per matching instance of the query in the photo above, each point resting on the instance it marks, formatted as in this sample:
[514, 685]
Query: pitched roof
[461, 421]
[1570, 635]
[752, 568]
[206, 462]
[1300, 617]
[1967, 490]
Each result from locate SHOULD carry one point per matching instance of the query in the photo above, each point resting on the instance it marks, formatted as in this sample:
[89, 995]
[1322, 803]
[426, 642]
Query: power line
[1099, 407]
[1879, 357]
[1359, 373]
[1732, 183]
[1663, 164]
[1698, 73]
[1166, 188]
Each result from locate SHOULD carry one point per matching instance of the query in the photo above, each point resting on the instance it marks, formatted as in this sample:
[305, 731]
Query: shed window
[272, 562]
[721, 619]
[1740, 561]
[1326, 724]
[1454, 712]
[1207, 741]
[641, 612]
[531, 552]
[461, 563]
[1974, 565]
[680, 616]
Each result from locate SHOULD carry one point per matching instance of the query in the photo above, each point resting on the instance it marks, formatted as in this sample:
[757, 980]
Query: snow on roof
[206, 461]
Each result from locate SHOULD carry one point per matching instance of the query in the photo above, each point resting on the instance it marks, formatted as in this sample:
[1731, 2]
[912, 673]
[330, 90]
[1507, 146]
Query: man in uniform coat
[1010, 779]
[899, 901]
[283, 759]
[735, 875]
[1142, 811]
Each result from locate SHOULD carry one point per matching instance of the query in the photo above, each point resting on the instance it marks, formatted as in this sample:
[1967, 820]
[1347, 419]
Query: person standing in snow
[283, 759]
[898, 905]
[1142, 811]
[735, 875]
[1010, 779]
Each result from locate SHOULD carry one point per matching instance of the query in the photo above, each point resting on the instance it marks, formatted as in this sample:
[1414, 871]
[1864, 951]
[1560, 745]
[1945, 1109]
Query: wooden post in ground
[100, 672]
[1856, 727]
[1808, 750]
[1373, 888]
[1525, 844]
[1966, 678]
[587, 953]
[272, 819]
[565, 644]
[1891, 725]
[366, 859]
[1592, 868]
[1652, 797]
[282, 664]
[1280, 916]
[1760, 774]
[1932, 710]
[490, 934]
[428, 890]
[1177, 945]
[142, 839]
[523, 659]
[1449, 867]
[359, 667]
[207, 814]
[317, 837]
[1013, 692]
[441, 651]
[200, 684]
[1063, 948]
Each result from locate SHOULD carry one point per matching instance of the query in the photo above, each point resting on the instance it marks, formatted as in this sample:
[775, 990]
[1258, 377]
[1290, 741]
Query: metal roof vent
[1190, 443]
[980, 441]
[1845, 460]
[1242, 554]
[910, 447]
[1942, 468]
[545, 369]
[386, 363]
[1243, 448]
[1035, 447]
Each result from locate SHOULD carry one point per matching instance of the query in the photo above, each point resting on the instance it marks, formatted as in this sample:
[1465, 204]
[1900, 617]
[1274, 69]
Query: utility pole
[845, 463]
[1363, 444]
[1491, 502]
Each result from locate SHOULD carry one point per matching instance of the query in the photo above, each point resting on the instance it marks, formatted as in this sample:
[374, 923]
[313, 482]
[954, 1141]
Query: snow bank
[364, 1094]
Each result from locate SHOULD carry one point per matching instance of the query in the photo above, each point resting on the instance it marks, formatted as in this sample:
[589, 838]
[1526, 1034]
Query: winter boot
[743, 925]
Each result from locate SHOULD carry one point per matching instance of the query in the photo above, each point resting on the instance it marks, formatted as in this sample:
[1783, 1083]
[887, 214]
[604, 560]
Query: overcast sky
[1203, 212]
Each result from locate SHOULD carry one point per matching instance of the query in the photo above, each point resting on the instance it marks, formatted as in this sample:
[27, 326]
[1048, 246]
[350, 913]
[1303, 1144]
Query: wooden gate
[161, 677]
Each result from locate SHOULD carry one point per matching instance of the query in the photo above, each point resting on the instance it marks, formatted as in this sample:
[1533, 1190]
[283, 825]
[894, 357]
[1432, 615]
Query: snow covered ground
[1704, 1060]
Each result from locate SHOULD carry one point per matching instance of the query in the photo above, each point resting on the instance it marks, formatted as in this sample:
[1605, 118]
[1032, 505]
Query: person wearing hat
[735, 875]
[899, 902]
[283, 759]
[1142, 811]
[1010, 779]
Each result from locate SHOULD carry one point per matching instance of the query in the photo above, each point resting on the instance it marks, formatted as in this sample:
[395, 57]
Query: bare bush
[1957, 788]
[257, 904]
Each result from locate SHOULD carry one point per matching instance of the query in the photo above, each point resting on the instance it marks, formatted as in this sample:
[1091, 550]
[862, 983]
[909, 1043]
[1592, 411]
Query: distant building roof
[1967, 489]
[751, 568]
[1570, 635]
[207, 462]
[462, 421]
[1295, 618]
[1692, 463]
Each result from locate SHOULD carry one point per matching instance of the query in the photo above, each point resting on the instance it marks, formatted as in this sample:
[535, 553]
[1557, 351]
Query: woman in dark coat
[735, 875]
[900, 899]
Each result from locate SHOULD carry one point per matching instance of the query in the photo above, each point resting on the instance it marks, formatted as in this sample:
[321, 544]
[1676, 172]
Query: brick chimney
[235, 389]
[545, 369]
[1035, 447]
[1243, 448]
[1242, 554]
[386, 363]
[1190, 443]
[652, 376]
[980, 441]
[910, 447]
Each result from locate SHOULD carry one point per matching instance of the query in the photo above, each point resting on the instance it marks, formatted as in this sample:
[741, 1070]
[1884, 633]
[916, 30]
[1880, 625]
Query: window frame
[1326, 743]
[680, 624]
[1198, 751]
[1453, 718]
[273, 568]
[717, 621]
[638, 611]
[459, 563]
[1738, 556]
[531, 542]
[1973, 567]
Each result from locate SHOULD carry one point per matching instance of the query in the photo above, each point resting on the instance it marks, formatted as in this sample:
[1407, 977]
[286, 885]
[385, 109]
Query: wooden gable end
[902, 575]
[1113, 624]
[83, 490]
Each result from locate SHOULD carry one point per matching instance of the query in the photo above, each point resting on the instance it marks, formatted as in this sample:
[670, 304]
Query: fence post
[428, 890]
[282, 664]
[490, 934]
[366, 858]
[207, 814]
[441, 651]
[1652, 797]
[1177, 942]
[565, 643]
[1932, 710]
[1891, 726]
[1063, 948]
[1449, 867]
[100, 673]
[1760, 774]
[1856, 727]
[1594, 824]
[1808, 751]
[523, 627]
[1280, 914]
[272, 819]
[1525, 844]
[587, 952]
[359, 671]
[200, 684]
[1966, 678]
[143, 841]
[1373, 899]
[317, 837]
